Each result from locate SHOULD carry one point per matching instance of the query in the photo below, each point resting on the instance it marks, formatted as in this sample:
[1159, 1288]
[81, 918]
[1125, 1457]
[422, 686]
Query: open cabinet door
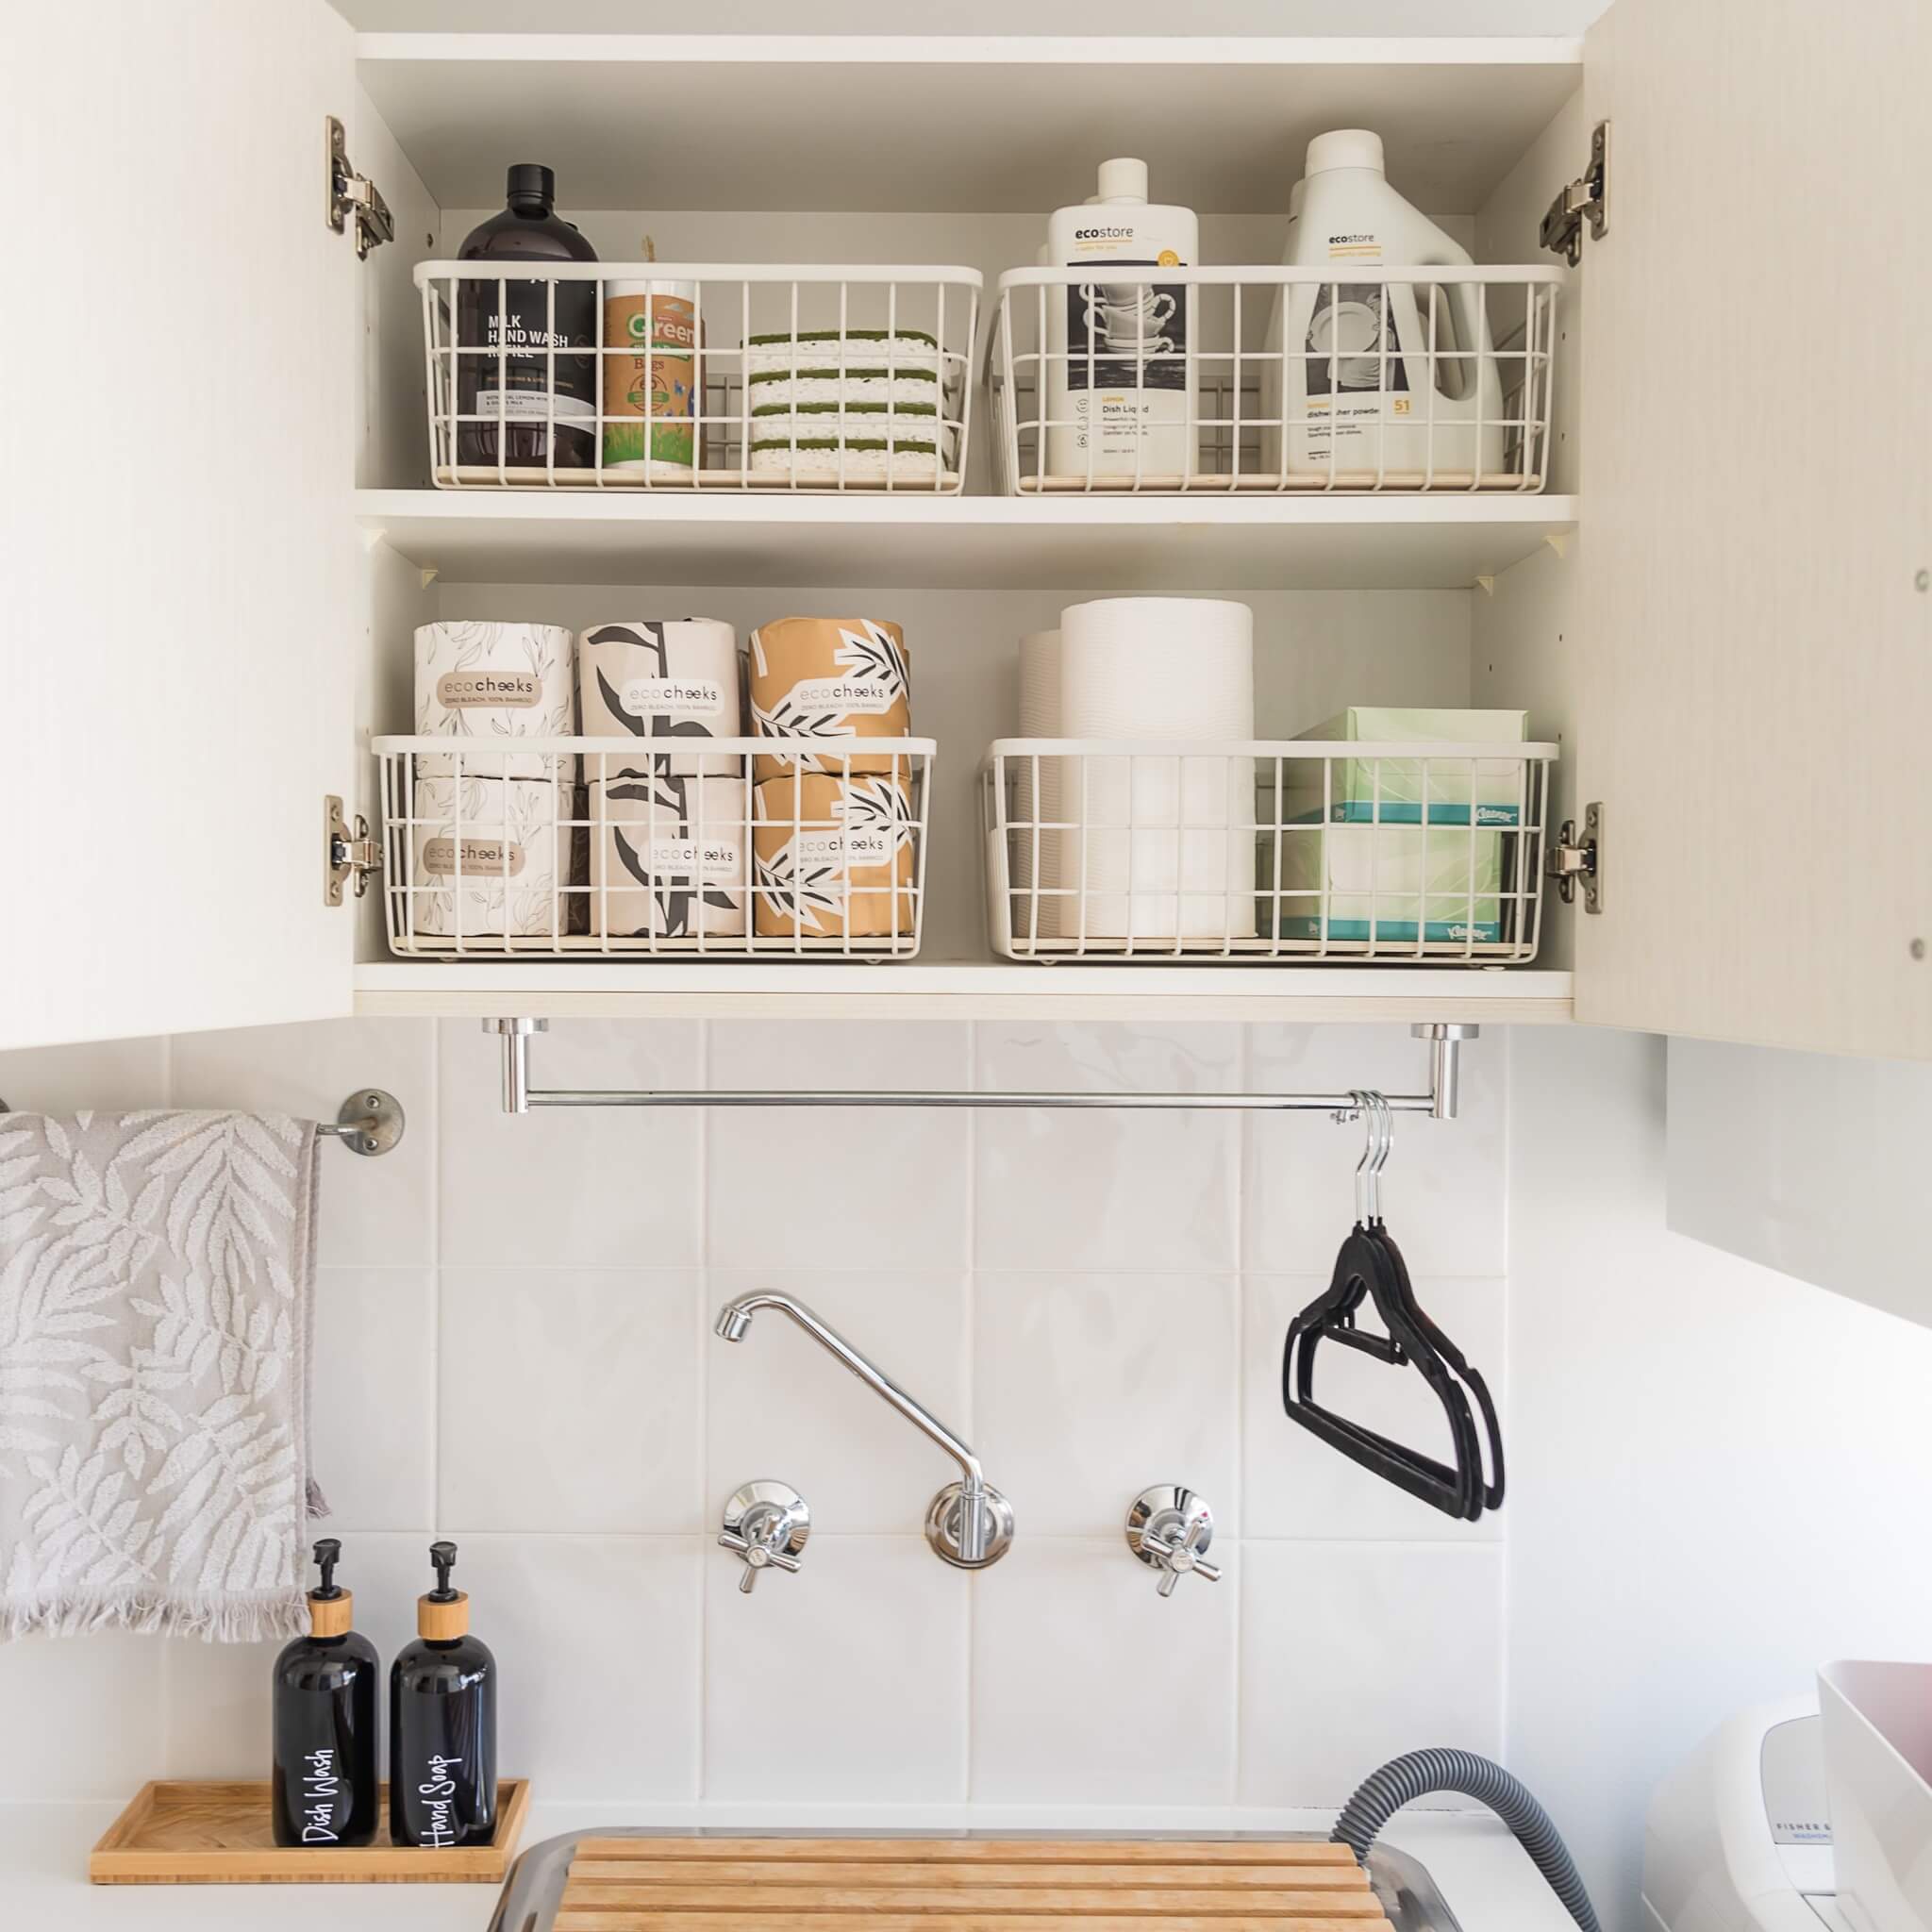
[180, 562]
[1758, 491]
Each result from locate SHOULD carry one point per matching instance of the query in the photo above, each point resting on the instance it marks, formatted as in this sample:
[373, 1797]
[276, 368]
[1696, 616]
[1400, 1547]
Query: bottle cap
[331, 1609]
[1296, 195]
[1345, 147]
[445, 1612]
[530, 182]
[1124, 180]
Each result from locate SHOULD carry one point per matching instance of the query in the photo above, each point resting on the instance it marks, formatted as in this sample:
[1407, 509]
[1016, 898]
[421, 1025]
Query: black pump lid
[444, 1555]
[530, 182]
[328, 1553]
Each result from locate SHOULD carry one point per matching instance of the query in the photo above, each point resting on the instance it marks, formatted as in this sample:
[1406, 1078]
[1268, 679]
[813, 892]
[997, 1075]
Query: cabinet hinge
[1586, 199]
[347, 853]
[1575, 861]
[349, 192]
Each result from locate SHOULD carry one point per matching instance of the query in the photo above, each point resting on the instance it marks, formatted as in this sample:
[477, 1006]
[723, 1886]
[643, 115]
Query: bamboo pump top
[331, 1609]
[444, 1614]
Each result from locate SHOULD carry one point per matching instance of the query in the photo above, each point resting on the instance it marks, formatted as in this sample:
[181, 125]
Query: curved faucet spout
[734, 1323]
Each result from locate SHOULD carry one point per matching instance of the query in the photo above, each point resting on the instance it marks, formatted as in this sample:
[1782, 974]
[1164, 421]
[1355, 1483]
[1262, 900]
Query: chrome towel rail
[1440, 1102]
[369, 1121]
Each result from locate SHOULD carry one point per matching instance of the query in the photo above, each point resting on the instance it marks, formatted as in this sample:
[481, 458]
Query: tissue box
[485, 683]
[1377, 872]
[513, 841]
[667, 856]
[832, 860]
[1498, 786]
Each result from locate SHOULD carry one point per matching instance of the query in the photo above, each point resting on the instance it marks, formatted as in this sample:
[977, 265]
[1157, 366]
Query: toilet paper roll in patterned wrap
[673, 679]
[668, 855]
[832, 858]
[514, 838]
[486, 683]
[832, 679]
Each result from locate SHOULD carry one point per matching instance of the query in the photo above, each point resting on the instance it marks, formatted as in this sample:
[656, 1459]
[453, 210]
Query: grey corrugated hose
[1416, 1773]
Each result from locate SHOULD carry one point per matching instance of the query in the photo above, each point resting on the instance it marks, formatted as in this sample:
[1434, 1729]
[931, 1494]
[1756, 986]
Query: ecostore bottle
[525, 383]
[443, 1724]
[1395, 381]
[323, 1789]
[1120, 381]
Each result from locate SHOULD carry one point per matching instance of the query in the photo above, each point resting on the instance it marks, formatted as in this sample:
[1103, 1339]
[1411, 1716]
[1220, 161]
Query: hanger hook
[1384, 1141]
[1366, 1199]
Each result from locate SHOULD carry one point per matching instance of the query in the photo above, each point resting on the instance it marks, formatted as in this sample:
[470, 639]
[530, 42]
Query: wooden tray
[218, 1833]
[963, 1885]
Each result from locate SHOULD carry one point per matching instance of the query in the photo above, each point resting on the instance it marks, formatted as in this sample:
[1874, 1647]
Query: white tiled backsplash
[514, 1349]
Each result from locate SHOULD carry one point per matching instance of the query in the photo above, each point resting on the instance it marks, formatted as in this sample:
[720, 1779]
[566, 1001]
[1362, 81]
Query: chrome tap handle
[765, 1526]
[1183, 1558]
[759, 1554]
[1168, 1528]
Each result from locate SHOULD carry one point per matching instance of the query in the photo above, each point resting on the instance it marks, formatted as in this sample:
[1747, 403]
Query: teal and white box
[1448, 892]
[1498, 788]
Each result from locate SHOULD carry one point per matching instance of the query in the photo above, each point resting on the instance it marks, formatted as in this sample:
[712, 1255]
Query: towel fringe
[230, 1617]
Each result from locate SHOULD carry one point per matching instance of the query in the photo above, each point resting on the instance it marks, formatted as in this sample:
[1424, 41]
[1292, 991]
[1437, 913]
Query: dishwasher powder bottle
[442, 1724]
[323, 1787]
[1395, 381]
[1120, 378]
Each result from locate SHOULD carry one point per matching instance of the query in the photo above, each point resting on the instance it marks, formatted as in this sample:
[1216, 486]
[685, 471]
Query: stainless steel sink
[535, 1886]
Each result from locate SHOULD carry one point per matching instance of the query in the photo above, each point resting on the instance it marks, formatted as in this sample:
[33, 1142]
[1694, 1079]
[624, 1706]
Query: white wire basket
[1184, 381]
[586, 846]
[678, 375]
[1294, 849]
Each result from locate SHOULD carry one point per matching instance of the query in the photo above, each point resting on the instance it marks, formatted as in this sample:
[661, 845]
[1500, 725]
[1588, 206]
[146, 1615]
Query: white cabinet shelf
[979, 125]
[1171, 544]
[966, 990]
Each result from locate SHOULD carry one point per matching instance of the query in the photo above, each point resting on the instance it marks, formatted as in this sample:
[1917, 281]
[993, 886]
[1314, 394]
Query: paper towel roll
[1162, 848]
[832, 859]
[832, 679]
[673, 679]
[668, 855]
[511, 839]
[486, 682]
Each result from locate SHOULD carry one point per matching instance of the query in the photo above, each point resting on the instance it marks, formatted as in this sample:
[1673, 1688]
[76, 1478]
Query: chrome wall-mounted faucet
[970, 1523]
[1168, 1528]
[765, 1526]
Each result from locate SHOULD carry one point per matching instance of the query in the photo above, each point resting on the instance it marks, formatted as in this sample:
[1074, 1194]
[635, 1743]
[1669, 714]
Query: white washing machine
[1739, 1836]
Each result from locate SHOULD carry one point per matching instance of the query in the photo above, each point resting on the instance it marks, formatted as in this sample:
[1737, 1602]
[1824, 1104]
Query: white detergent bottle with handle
[1393, 382]
[1120, 378]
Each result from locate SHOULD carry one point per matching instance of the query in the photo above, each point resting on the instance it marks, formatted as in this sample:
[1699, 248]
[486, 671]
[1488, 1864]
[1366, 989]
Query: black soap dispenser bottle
[443, 1724]
[324, 1790]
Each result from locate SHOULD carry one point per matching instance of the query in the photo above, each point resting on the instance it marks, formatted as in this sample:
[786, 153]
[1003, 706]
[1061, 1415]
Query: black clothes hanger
[1370, 1268]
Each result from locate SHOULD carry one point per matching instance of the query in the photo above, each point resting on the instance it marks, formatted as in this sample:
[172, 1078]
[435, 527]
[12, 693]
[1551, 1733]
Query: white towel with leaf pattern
[156, 1279]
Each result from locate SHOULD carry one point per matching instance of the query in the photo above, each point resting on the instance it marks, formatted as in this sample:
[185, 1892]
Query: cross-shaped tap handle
[1182, 1558]
[758, 1555]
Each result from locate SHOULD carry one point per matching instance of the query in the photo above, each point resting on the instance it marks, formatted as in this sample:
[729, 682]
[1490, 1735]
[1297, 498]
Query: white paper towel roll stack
[1162, 848]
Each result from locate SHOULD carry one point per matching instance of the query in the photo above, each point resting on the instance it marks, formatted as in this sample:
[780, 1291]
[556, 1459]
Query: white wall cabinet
[222, 537]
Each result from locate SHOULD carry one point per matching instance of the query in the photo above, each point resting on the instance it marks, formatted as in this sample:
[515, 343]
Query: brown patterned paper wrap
[653, 870]
[834, 679]
[833, 857]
